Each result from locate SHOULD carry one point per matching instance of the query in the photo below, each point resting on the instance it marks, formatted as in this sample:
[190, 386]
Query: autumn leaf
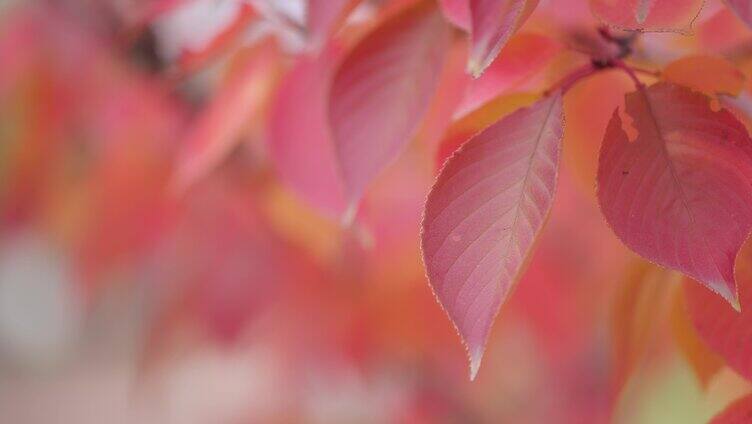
[493, 22]
[648, 15]
[641, 303]
[708, 74]
[299, 139]
[678, 193]
[382, 91]
[484, 214]
[218, 128]
[704, 362]
[525, 57]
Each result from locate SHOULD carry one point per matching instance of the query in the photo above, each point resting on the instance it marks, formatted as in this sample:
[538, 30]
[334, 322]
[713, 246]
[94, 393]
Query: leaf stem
[571, 79]
[618, 63]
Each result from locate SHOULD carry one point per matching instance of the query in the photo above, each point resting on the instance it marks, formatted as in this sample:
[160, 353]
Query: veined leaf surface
[484, 214]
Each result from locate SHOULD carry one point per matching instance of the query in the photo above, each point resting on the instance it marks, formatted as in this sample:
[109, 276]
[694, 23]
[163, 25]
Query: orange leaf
[641, 305]
[709, 74]
[703, 361]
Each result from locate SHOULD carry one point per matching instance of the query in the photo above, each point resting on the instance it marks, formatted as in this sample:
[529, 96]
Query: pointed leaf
[382, 91]
[220, 125]
[679, 193]
[493, 23]
[484, 214]
[648, 15]
[300, 143]
[523, 58]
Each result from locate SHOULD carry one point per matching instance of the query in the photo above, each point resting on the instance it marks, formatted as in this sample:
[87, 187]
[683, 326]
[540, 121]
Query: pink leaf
[679, 194]
[484, 213]
[493, 22]
[648, 15]
[219, 126]
[742, 9]
[382, 91]
[524, 57]
[300, 142]
[739, 412]
[457, 12]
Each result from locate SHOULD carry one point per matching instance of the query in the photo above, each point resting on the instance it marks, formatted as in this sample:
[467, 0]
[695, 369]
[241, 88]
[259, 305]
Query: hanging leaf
[484, 214]
[218, 128]
[382, 91]
[300, 143]
[493, 23]
[679, 193]
[524, 58]
[648, 15]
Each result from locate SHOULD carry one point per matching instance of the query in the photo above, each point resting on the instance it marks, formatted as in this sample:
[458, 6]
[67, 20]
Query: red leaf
[724, 330]
[739, 412]
[647, 15]
[493, 23]
[679, 194]
[484, 213]
[300, 143]
[382, 91]
[742, 9]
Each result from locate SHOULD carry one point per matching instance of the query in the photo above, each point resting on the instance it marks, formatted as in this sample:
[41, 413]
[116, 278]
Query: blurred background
[170, 254]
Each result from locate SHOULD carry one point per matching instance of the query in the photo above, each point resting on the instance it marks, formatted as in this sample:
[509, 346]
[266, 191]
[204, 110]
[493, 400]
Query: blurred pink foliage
[170, 164]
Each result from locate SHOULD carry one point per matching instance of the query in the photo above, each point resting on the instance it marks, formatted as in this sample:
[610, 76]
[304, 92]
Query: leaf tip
[475, 67]
[735, 304]
[475, 356]
[731, 296]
